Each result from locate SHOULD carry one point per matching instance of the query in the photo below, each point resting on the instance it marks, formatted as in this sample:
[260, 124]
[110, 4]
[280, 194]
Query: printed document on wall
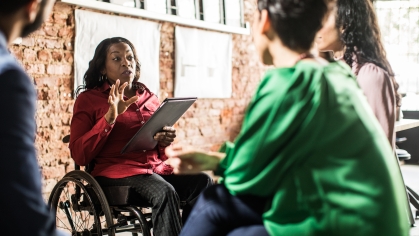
[203, 63]
[92, 28]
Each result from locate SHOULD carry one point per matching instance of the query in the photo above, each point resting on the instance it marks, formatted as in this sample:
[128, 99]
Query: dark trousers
[164, 193]
[219, 213]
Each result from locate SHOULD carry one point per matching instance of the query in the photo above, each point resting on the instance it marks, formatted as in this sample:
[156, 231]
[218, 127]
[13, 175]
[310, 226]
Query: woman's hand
[117, 105]
[166, 137]
[187, 160]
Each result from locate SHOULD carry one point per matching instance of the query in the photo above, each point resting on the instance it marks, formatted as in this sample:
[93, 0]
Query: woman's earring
[103, 77]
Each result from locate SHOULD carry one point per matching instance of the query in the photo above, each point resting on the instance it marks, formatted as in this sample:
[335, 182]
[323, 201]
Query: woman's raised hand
[117, 104]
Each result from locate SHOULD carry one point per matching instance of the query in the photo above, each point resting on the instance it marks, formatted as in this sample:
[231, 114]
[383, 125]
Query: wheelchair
[84, 208]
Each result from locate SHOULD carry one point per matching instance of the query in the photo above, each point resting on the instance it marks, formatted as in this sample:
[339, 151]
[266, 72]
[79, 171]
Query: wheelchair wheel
[81, 207]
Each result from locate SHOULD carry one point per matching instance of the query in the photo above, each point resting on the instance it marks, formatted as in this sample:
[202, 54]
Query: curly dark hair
[362, 37]
[93, 77]
[295, 21]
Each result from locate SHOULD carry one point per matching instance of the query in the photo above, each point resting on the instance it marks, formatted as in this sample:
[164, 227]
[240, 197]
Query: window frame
[197, 22]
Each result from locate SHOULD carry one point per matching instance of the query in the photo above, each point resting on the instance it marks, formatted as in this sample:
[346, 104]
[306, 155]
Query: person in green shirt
[311, 158]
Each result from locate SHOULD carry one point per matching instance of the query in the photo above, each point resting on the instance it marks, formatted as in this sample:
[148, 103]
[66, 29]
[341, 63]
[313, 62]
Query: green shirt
[311, 145]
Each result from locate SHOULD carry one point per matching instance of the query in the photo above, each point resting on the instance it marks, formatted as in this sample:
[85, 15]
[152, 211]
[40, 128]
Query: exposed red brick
[57, 56]
[28, 42]
[49, 82]
[60, 17]
[43, 55]
[66, 32]
[68, 45]
[29, 55]
[51, 30]
[17, 52]
[35, 68]
[68, 56]
[48, 43]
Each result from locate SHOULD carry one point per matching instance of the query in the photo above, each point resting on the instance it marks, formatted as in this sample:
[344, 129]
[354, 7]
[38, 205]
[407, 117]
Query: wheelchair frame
[84, 198]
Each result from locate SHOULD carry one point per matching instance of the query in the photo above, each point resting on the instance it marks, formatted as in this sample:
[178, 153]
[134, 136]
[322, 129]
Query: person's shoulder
[339, 67]
[82, 91]
[372, 74]
[15, 71]
[317, 71]
[15, 77]
[87, 96]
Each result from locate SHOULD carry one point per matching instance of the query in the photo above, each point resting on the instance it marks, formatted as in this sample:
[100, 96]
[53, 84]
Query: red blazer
[92, 138]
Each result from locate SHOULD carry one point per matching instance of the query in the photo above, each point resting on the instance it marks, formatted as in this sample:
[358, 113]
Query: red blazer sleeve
[87, 136]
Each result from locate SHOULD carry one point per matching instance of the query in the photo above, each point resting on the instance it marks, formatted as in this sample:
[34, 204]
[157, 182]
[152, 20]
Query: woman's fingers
[112, 92]
[131, 101]
[121, 88]
[170, 135]
[117, 87]
[165, 137]
[169, 129]
[158, 136]
[110, 100]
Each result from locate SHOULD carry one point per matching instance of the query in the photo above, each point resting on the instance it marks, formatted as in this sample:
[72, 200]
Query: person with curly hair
[311, 158]
[353, 35]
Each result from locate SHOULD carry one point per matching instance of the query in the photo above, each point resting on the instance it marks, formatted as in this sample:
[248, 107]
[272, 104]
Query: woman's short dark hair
[93, 76]
[8, 7]
[362, 37]
[295, 21]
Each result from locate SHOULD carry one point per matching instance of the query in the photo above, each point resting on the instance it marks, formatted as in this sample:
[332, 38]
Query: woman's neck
[129, 92]
[283, 56]
[338, 55]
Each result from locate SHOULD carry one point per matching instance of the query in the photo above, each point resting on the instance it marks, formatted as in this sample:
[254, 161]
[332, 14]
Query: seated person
[311, 159]
[106, 116]
[366, 56]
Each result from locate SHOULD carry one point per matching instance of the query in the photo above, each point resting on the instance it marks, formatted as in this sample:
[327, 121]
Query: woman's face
[260, 38]
[328, 38]
[120, 63]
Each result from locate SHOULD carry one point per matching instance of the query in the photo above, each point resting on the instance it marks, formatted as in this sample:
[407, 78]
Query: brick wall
[47, 55]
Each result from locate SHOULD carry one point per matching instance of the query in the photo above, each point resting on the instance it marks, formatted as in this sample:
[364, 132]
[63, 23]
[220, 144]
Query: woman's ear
[265, 22]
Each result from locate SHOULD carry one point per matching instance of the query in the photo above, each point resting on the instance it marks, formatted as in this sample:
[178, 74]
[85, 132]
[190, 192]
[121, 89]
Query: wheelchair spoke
[75, 210]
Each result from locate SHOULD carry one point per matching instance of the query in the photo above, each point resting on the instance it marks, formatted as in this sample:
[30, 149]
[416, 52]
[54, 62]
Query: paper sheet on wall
[92, 28]
[203, 63]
